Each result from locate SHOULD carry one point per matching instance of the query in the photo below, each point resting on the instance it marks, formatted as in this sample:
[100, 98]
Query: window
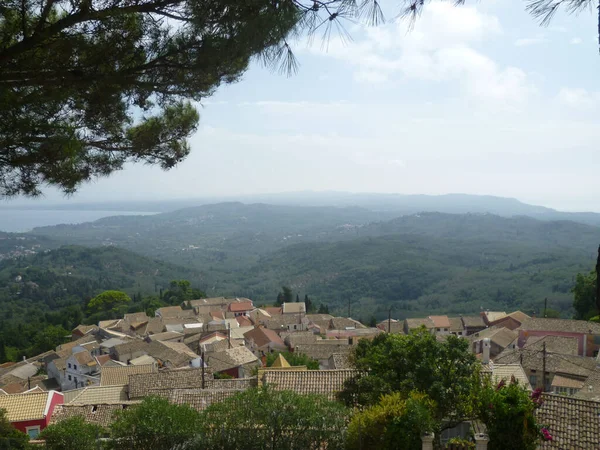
[69, 377]
[533, 380]
[75, 381]
[69, 365]
[33, 432]
[75, 366]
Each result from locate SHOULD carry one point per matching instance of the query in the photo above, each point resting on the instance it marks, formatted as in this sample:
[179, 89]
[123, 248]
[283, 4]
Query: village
[206, 350]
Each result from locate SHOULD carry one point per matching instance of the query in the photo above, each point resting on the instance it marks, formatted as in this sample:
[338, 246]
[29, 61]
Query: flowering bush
[507, 410]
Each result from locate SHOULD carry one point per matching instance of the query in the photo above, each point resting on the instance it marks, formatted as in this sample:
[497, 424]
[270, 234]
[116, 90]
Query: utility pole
[390, 320]
[545, 307]
[544, 367]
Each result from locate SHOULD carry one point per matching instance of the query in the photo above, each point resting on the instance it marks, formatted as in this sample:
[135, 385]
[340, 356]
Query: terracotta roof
[554, 344]
[281, 322]
[165, 336]
[502, 337]
[567, 382]
[85, 358]
[299, 337]
[417, 323]
[395, 326]
[507, 371]
[573, 423]
[141, 385]
[231, 383]
[440, 321]
[473, 322]
[342, 323]
[138, 317]
[169, 311]
[455, 324]
[94, 395]
[199, 399]
[212, 301]
[69, 395]
[244, 321]
[324, 382]
[240, 307]
[131, 347]
[22, 407]
[274, 311]
[230, 358]
[113, 376]
[102, 415]
[519, 316]
[318, 317]
[143, 360]
[263, 336]
[103, 359]
[321, 351]
[492, 316]
[591, 387]
[85, 329]
[180, 347]
[555, 363]
[293, 308]
[339, 361]
[573, 326]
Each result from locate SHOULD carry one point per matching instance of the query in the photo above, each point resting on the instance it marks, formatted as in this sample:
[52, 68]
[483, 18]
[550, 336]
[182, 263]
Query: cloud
[441, 48]
[578, 98]
[576, 41]
[525, 42]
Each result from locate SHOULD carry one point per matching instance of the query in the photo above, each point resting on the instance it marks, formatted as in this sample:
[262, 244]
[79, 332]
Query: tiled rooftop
[102, 415]
[573, 326]
[94, 395]
[198, 399]
[323, 350]
[573, 423]
[591, 387]
[141, 385]
[20, 407]
[113, 376]
[230, 358]
[324, 382]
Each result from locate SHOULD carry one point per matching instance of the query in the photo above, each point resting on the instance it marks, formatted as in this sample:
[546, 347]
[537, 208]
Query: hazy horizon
[477, 99]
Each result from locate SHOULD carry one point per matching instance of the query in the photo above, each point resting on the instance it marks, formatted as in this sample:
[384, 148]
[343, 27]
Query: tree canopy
[445, 371]
[73, 433]
[584, 296]
[108, 301]
[10, 437]
[88, 85]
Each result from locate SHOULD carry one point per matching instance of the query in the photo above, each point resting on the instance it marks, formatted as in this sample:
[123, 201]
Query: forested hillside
[420, 263]
[52, 289]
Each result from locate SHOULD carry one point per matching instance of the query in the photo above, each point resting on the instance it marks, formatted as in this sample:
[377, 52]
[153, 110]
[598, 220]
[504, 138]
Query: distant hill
[422, 262]
[397, 204]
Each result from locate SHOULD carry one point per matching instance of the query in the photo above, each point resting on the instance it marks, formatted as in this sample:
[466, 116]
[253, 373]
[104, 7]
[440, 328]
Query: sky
[476, 99]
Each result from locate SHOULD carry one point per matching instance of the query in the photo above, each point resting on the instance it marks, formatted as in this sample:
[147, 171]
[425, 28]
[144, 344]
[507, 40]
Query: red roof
[243, 321]
[263, 336]
[240, 307]
[440, 321]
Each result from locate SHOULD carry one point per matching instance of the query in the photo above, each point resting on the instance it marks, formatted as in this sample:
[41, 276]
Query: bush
[72, 434]
[396, 423]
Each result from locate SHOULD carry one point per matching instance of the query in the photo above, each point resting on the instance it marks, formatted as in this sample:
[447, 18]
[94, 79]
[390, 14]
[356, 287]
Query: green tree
[181, 291]
[373, 322]
[262, 418]
[280, 300]
[108, 301]
[295, 359]
[2, 350]
[50, 338]
[155, 424]
[395, 423]
[87, 85]
[310, 307]
[445, 371]
[297, 298]
[507, 410]
[323, 309]
[73, 433]
[10, 437]
[584, 296]
[288, 295]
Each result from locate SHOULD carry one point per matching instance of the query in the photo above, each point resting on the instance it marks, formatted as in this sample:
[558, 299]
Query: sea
[22, 220]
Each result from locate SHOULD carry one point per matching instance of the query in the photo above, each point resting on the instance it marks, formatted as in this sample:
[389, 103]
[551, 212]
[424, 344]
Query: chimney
[485, 358]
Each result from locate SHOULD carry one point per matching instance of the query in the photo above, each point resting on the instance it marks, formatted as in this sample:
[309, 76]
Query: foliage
[38, 312]
[71, 434]
[295, 359]
[155, 424]
[420, 264]
[507, 410]
[288, 295]
[395, 423]
[445, 371]
[262, 418]
[584, 296]
[10, 437]
[181, 291]
[109, 301]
